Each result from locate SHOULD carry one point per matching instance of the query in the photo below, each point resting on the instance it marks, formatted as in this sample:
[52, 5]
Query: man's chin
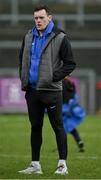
[40, 29]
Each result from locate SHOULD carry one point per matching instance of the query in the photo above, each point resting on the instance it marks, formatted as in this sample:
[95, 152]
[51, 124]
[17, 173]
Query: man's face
[41, 19]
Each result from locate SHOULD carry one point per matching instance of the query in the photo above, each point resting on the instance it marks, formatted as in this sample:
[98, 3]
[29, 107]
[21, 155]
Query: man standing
[45, 59]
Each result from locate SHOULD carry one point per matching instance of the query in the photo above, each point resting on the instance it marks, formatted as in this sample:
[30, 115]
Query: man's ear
[50, 17]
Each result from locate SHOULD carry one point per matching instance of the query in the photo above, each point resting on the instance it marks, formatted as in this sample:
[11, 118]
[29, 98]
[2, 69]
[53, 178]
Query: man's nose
[39, 19]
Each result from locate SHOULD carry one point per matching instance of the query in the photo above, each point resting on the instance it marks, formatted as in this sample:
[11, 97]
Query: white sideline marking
[14, 156]
[89, 157]
[84, 134]
[28, 156]
[90, 135]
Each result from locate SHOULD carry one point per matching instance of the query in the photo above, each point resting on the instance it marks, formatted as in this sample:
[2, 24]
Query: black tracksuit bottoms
[37, 102]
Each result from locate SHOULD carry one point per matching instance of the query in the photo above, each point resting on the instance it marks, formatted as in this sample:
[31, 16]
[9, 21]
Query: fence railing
[79, 18]
[5, 44]
[80, 15]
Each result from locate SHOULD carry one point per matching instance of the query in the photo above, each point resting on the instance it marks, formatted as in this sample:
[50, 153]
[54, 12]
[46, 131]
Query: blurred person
[73, 113]
[45, 59]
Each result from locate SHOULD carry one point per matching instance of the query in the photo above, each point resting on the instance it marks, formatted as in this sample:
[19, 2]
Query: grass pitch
[15, 152]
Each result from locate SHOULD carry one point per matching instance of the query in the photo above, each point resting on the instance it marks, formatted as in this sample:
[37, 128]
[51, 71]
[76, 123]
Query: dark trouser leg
[36, 113]
[55, 116]
[76, 135]
[78, 140]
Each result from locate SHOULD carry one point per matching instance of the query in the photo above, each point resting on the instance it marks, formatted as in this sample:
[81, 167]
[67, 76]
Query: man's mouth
[38, 25]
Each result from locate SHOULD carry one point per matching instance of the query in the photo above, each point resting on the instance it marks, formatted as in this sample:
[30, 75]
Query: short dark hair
[40, 7]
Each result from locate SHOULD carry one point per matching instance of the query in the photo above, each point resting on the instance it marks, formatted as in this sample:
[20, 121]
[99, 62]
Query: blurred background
[81, 19]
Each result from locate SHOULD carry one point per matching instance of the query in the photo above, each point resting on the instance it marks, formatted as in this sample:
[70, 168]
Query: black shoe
[81, 146]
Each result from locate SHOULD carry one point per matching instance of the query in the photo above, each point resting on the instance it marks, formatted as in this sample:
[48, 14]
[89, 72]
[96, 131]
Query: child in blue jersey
[73, 113]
